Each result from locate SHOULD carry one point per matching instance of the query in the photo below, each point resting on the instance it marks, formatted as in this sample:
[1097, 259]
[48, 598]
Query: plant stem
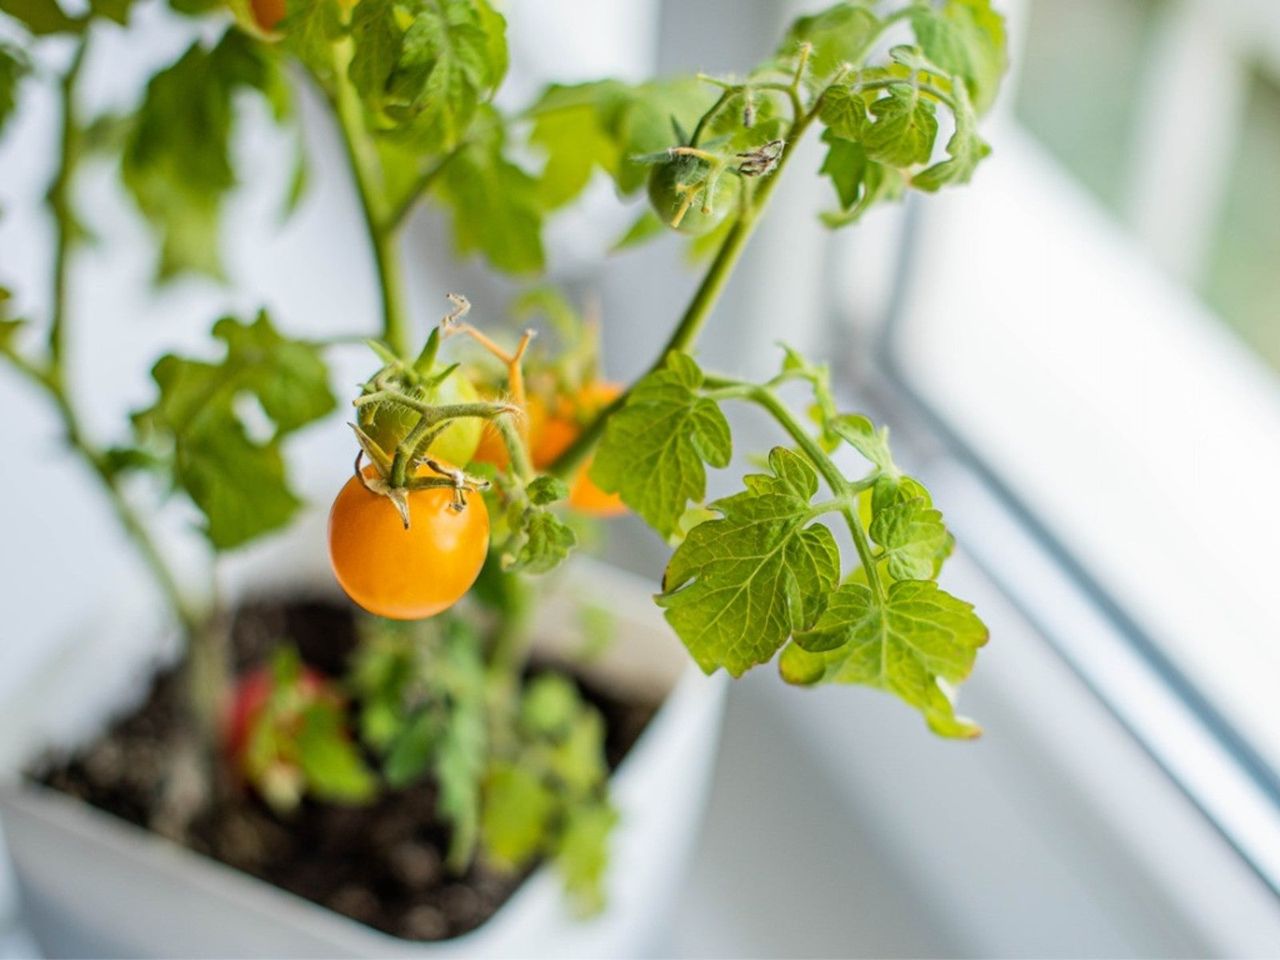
[203, 641]
[704, 298]
[844, 490]
[60, 203]
[366, 172]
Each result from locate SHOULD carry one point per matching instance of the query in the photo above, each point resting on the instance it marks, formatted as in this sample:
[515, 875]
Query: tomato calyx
[446, 476]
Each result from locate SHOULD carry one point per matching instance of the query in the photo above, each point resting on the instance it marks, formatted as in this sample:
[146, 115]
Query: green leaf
[905, 128]
[542, 542]
[310, 31]
[518, 807]
[912, 535]
[464, 742]
[546, 490]
[582, 854]
[965, 149]
[495, 205]
[426, 68]
[844, 113]
[861, 434]
[577, 761]
[841, 34]
[329, 759]
[654, 448]
[917, 637]
[965, 38]
[549, 705]
[859, 181]
[177, 163]
[567, 125]
[737, 587]
[410, 751]
[238, 482]
[9, 326]
[607, 125]
[41, 17]
[14, 65]
[115, 10]
[378, 41]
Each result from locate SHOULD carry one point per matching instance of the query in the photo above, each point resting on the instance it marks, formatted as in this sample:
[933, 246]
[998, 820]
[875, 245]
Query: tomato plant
[754, 577]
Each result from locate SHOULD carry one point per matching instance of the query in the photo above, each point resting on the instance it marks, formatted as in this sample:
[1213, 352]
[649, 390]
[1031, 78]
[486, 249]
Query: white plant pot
[94, 885]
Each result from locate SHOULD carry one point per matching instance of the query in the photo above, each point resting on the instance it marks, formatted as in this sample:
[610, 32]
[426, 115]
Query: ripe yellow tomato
[406, 574]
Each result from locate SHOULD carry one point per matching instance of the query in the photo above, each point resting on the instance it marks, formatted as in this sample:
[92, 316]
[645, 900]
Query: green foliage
[494, 202]
[966, 38]
[965, 149]
[839, 35]
[606, 126]
[177, 161]
[422, 690]
[310, 31]
[42, 17]
[298, 741]
[14, 65]
[541, 541]
[737, 587]
[9, 326]
[881, 122]
[905, 128]
[904, 644]
[549, 795]
[425, 68]
[912, 535]
[654, 449]
[196, 426]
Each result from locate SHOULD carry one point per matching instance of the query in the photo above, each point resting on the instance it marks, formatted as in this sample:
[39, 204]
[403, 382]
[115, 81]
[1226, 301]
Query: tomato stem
[380, 223]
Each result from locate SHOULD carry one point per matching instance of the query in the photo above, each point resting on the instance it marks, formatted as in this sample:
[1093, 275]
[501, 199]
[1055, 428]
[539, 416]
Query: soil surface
[380, 864]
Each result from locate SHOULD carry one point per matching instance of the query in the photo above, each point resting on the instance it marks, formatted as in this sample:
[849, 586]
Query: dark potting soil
[379, 864]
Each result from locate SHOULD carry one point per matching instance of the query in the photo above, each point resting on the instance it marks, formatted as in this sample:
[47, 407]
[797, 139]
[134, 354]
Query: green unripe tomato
[389, 423]
[665, 180]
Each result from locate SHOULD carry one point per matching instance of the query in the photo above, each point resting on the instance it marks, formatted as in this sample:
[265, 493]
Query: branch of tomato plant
[60, 203]
[752, 206]
[206, 651]
[844, 489]
[379, 221]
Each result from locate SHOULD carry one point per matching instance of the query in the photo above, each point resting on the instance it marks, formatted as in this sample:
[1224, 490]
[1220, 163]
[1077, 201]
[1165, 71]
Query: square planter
[94, 885]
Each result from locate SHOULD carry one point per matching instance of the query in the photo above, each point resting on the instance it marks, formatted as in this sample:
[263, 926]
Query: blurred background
[1078, 353]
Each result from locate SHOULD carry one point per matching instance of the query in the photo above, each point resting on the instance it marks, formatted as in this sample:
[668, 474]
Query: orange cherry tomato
[406, 574]
[585, 496]
[551, 434]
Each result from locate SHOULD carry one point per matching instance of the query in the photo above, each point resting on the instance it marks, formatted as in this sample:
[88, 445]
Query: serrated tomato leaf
[235, 476]
[912, 535]
[656, 448]
[917, 636]
[177, 162]
[740, 585]
[966, 38]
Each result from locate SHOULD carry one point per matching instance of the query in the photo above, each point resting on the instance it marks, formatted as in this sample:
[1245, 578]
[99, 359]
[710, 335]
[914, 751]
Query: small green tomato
[389, 423]
[677, 190]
